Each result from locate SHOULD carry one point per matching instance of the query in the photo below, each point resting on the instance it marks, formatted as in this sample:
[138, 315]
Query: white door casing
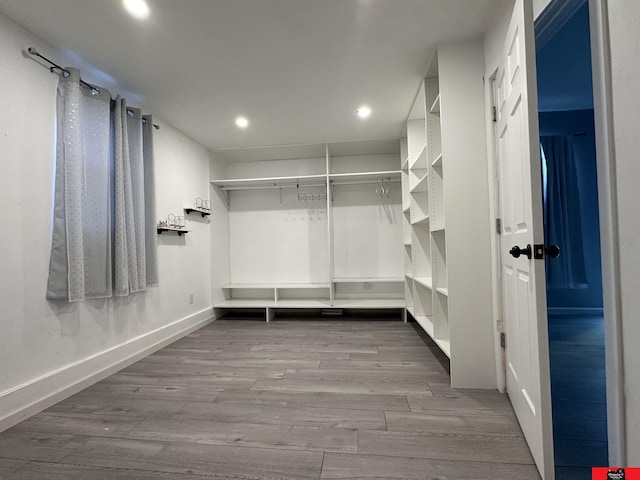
[523, 279]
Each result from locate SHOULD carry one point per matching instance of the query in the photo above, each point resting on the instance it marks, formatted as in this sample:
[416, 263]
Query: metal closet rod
[296, 185]
[66, 73]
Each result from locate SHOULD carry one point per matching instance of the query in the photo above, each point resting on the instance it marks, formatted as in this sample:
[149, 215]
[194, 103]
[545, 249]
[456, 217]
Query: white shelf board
[245, 303]
[370, 303]
[420, 220]
[369, 280]
[435, 107]
[422, 184]
[406, 208]
[426, 323]
[443, 291]
[445, 345]
[438, 230]
[302, 303]
[437, 162]
[407, 244]
[267, 181]
[424, 281]
[405, 164]
[274, 285]
[409, 276]
[337, 177]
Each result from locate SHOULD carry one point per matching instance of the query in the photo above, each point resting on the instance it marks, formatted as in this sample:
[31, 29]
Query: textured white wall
[46, 346]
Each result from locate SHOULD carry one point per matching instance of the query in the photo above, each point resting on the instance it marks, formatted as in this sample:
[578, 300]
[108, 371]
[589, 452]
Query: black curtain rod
[66, 73]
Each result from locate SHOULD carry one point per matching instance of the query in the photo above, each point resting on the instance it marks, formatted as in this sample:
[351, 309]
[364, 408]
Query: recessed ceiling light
[363, 111]
[137, 8]
[242, 122]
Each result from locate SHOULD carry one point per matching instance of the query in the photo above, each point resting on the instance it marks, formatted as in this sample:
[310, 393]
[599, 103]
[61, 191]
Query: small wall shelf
[204, 213]
[179, 231]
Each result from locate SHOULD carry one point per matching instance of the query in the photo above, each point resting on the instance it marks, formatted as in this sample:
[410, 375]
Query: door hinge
[494, 114]
[498, 226]
[503, 340]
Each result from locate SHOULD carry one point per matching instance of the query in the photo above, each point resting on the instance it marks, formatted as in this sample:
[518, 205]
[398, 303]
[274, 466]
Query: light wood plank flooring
[292, 399]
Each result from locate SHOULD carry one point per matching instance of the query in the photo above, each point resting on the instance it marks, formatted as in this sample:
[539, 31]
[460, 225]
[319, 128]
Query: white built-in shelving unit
[446, 224]
[315, 226]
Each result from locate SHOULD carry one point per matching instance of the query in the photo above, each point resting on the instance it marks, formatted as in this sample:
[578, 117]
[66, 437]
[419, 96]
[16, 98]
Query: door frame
[607, 194]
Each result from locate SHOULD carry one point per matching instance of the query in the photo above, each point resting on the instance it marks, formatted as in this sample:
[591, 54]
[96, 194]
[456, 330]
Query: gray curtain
[104, 199]
[563, 221]
[80, 264]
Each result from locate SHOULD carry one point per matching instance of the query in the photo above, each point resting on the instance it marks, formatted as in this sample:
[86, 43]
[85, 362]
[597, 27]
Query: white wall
[46, 347]
[617, 107]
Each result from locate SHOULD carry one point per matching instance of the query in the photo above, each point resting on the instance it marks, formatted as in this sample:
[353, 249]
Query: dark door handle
[517, 251]
[552, 251]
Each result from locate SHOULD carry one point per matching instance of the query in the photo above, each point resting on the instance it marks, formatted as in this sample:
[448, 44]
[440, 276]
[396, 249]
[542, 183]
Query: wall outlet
[191, 298]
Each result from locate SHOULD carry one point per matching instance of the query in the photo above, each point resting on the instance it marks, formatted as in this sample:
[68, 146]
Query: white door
[523, 278]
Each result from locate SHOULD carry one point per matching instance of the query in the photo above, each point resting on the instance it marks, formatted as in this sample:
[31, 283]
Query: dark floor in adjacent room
[291, 399]
[576, 346]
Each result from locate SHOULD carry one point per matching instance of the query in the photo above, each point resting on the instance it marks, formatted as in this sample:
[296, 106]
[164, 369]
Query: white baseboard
[574, 311]
[25, 400]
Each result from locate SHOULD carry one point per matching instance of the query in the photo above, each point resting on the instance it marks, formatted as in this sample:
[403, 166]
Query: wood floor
[578, 394]
[292, 399]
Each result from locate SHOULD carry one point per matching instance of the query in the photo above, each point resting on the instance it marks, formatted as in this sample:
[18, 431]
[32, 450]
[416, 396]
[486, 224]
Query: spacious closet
[391, 225]
[314, 226]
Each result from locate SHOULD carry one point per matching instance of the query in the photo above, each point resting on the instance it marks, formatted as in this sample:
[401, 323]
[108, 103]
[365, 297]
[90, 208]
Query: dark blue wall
[569, 123]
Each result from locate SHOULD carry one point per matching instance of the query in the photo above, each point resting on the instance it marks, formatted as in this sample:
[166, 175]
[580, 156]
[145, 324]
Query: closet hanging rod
[295, 185]
[274, 185]
[66, 73]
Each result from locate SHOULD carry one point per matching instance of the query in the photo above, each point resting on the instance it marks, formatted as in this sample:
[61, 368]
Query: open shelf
[231, 183]
[338, 178]
[445, 345]
[369, 280]
[201, 211]
[437, 162]
[426, 323]
[257, 286]
[422, 184]
[424, 281]
[435, 106]
[179, 231]
[420, 220]
[370, 303]
[443, 291]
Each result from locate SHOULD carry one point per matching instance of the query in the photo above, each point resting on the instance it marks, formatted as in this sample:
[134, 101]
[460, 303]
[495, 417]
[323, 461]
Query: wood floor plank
[117, 405]
[275, 415]
[341, 386]
[315, 399]
[51, 447]
[8, 466]
[270, 363]
[247, 434]
[338, 466]
[80, 424]
[373, 375]
[200, 369]
[214, 382]
[480, 448]
[461, 405]
[58, 471]
[439, 423]
[223, 461]
[411, 367]
[311, 347]
[186, 392]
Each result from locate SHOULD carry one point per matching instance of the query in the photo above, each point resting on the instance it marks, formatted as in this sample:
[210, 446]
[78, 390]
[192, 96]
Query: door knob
[517, 251]
[552, 251]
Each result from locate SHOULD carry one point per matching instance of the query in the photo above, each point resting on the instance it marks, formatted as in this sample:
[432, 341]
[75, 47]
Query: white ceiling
[297, 69]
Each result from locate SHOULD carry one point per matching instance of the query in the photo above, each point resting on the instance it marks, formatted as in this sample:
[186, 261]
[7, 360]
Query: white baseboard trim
[574, 311]
[25, 400]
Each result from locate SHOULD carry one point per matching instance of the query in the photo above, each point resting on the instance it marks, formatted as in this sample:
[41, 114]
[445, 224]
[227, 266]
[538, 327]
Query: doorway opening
[571, 220]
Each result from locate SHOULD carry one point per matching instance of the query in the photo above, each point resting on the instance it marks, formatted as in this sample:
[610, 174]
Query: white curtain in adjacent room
[80, 265]
[104, 216]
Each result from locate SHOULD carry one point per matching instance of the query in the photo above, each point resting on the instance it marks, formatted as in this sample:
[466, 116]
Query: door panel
[523, 287]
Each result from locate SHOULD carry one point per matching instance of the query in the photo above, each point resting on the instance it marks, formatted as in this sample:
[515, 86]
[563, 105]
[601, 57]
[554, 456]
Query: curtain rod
[66, 73]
